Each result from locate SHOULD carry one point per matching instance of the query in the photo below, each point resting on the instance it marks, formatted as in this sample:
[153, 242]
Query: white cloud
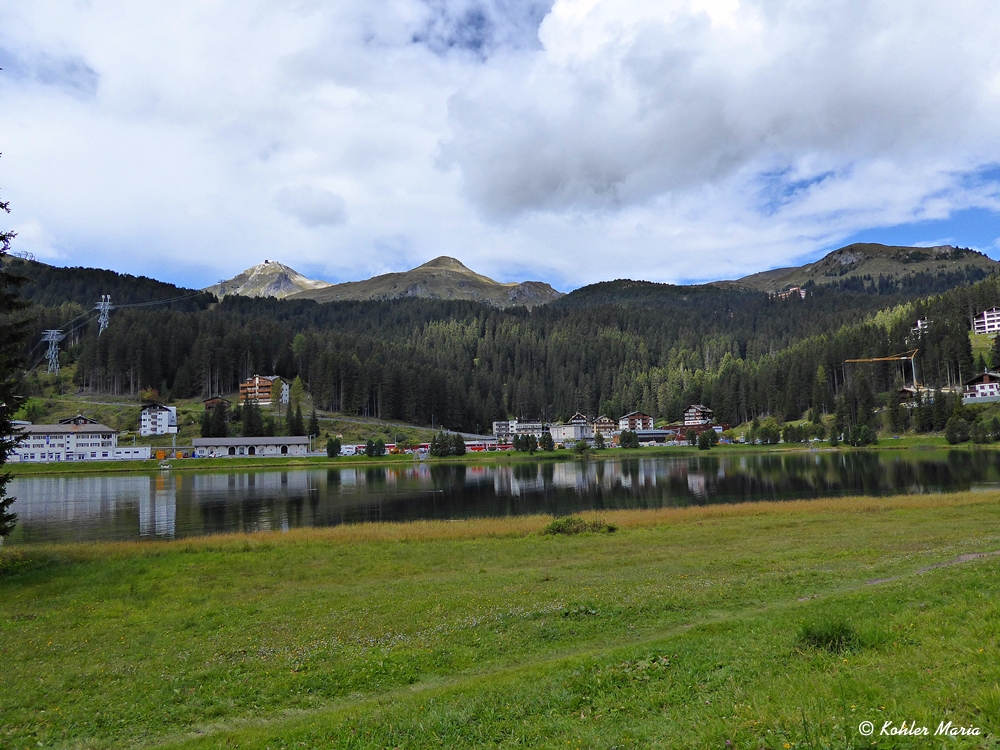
[313, 206]
[589, 139]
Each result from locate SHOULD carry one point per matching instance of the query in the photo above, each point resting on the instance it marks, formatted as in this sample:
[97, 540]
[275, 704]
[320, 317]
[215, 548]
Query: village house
[697, 415]
[635, 420]
[157, 419]
[984, 386]
[211, 403]
[78, 438]
[605, 426]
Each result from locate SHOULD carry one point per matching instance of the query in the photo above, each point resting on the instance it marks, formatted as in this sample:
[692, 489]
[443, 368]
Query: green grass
[683, 629]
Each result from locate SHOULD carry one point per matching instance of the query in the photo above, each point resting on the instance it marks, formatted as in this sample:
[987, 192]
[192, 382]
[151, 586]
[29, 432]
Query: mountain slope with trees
[607, 348]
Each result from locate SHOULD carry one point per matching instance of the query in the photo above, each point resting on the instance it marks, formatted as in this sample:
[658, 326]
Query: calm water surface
[168, 504]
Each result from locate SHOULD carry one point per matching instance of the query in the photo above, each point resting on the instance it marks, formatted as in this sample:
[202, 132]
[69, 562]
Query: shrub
[861, 435]
[333, 447]
[577, 525]
[581, 446]
[628, 439]
[834, 636]
[956, 431]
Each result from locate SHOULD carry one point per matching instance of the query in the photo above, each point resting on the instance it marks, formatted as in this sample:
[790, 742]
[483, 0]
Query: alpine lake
[177, 504]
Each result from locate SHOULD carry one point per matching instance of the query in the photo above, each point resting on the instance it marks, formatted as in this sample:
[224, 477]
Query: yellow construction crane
[910, 355]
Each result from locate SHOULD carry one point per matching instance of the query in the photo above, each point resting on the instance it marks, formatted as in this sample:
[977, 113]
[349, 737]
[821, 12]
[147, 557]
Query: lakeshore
[683, 628]
[471, 458]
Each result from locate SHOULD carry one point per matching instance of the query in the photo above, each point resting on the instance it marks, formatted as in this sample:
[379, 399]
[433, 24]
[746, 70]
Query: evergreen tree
[206, 424]
[253, 421]
[370, 448]
[295, 426]
[458, 445]
[379, 448]
[599, 443]
[333, 447]
[995, 353]
[956, 431]
[220, 423]
[13, 334]
[940, 410]
[547, 443]
[313, 423]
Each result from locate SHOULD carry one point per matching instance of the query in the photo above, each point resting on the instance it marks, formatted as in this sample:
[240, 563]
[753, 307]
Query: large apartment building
[76, 439]
[988, 321]
[157, 419]
[261, 388]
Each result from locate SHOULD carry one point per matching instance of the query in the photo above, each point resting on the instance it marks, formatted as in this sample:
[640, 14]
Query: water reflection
[169, 505]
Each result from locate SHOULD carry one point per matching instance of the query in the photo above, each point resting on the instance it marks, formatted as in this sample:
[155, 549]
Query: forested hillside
[608, 348]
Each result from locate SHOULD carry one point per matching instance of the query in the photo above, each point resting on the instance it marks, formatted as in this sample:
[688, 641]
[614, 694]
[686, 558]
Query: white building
[696, 415]
[571, 433]
[507, 429]
[504, 429]
[987, 321]
[250, 446]
[76, 439]
[156, 419]
[530, 428]
[986, 385]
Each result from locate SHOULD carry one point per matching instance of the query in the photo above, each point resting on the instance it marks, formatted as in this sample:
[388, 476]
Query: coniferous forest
[608, 348]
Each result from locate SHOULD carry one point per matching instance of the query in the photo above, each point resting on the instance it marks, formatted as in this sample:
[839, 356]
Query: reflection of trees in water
[249, 501]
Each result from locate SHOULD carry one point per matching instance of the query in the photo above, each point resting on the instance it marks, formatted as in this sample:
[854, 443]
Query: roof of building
[78, 419]
[993, 376]
[157, 407]
[60, 429]
[238, 441]
[578, 418]
[636, 414]
[604, 418]
[699, 407]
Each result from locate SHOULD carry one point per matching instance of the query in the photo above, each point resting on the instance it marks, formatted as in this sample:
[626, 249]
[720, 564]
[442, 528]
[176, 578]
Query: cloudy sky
[574, 141]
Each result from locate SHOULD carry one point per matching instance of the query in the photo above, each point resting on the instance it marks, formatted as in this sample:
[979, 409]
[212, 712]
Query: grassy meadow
[769, 625]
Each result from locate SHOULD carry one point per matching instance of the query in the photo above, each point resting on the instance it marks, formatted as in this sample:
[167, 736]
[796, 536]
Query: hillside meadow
[773, 625]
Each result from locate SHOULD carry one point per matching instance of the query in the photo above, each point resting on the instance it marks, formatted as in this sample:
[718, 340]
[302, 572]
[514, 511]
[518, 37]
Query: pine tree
[253, 422]
[295, 426]
[220, 423]
[314, 423]
[995, 353]
[206, 424]
[13, 333]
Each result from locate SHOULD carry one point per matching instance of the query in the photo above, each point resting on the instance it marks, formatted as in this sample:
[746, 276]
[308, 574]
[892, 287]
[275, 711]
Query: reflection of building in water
[73, 506]
[517, 479]
[158, 508]
[697, 485]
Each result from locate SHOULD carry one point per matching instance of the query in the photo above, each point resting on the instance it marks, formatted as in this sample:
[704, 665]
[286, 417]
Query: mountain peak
[267, 279]
[440, 278]
[447, 263]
